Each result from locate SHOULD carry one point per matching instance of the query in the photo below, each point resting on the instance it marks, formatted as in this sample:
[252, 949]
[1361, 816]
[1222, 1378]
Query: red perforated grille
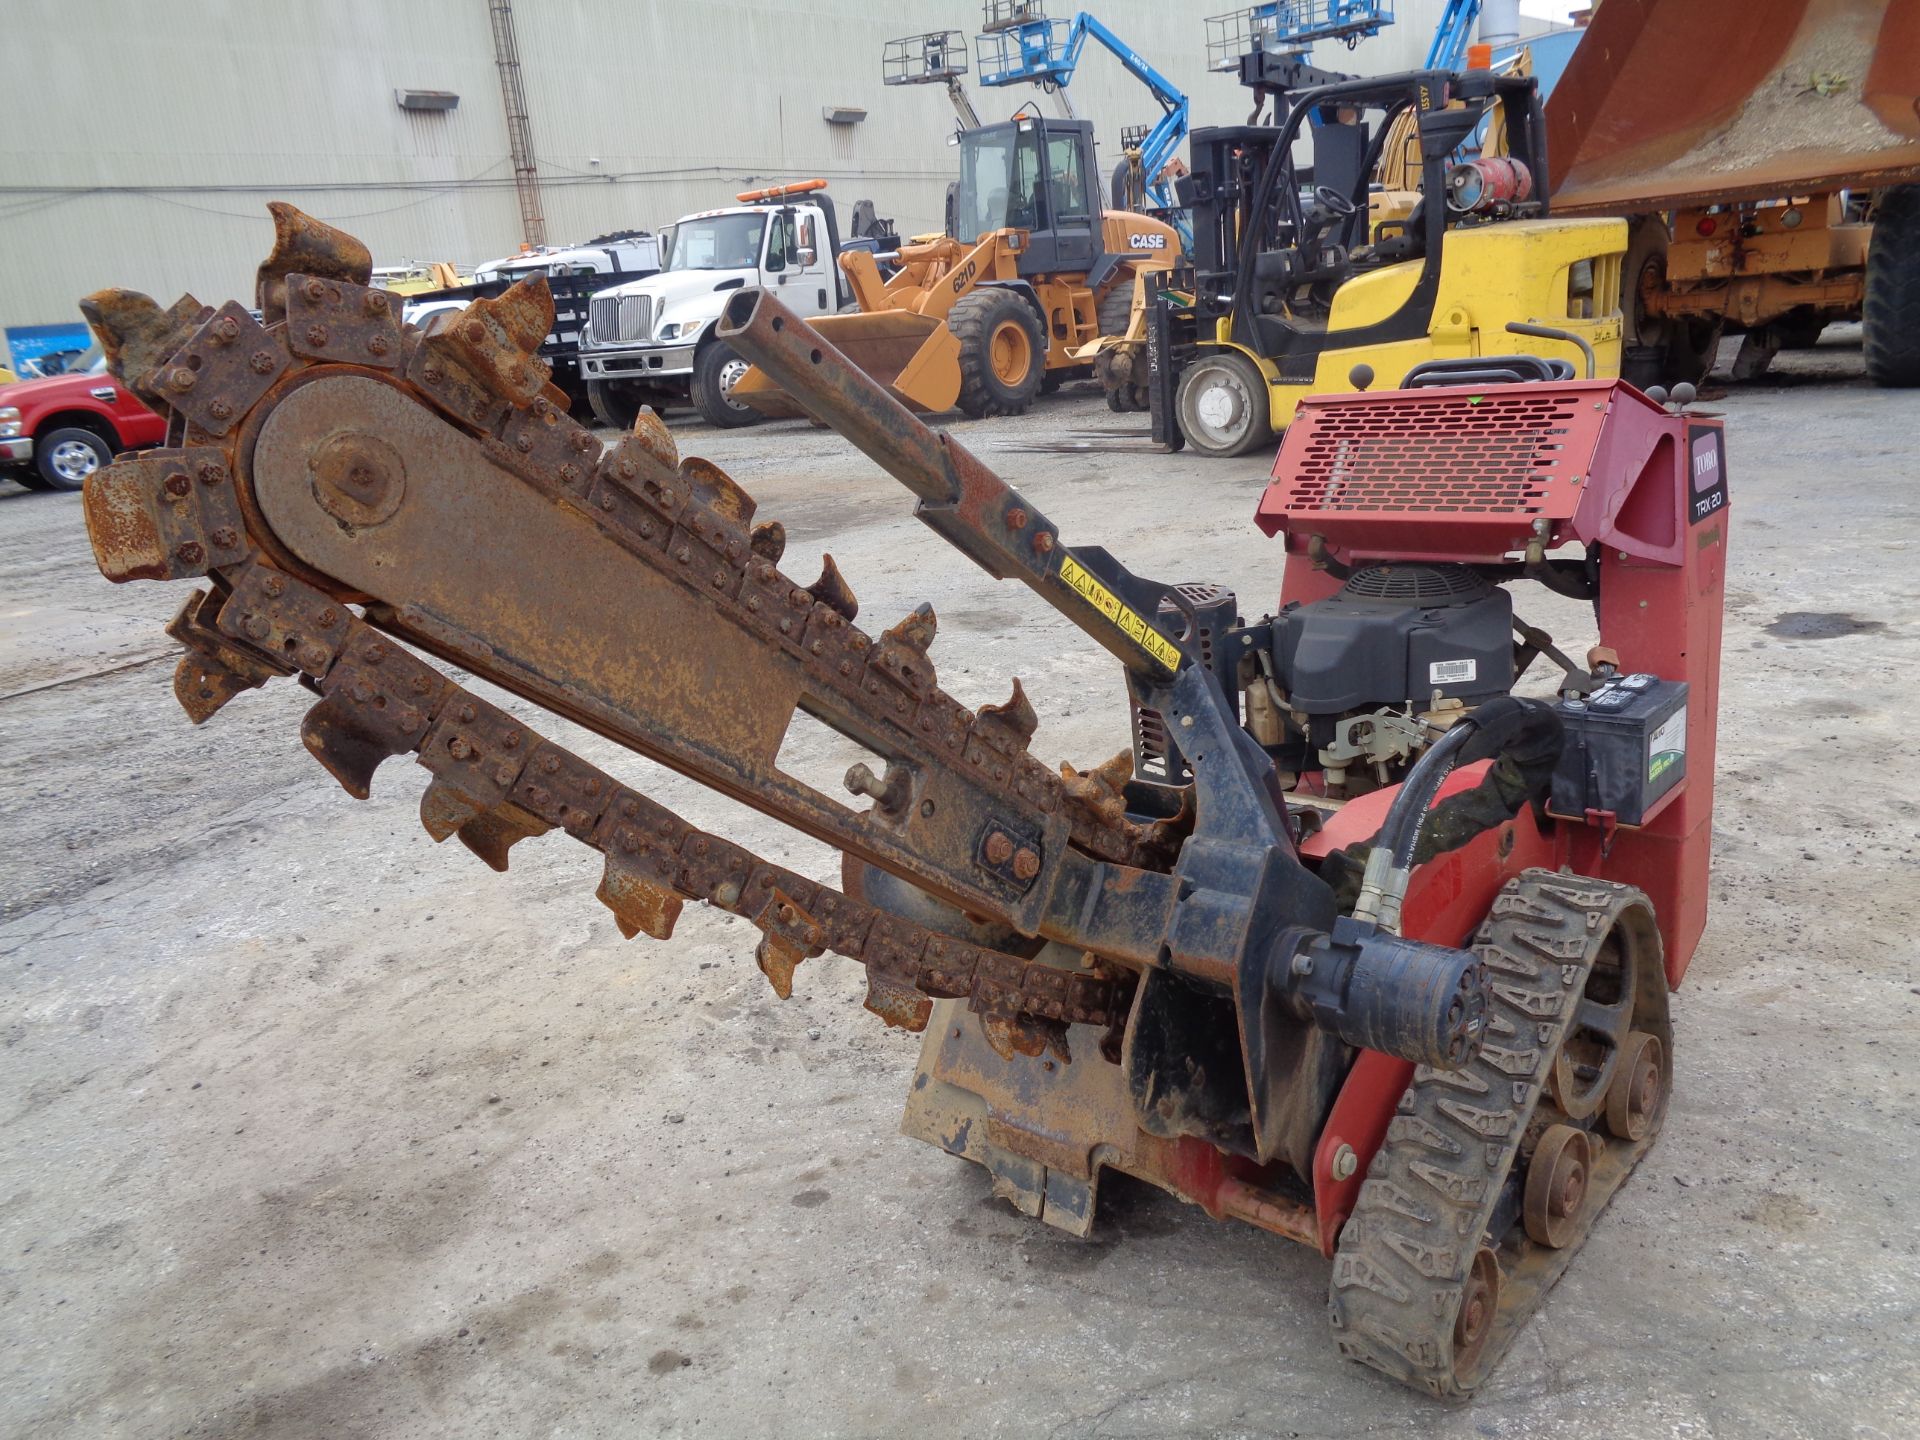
[1444, 453]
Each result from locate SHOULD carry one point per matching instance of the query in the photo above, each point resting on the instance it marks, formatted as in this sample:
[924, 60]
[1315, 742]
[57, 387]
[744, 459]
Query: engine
[1356, 685]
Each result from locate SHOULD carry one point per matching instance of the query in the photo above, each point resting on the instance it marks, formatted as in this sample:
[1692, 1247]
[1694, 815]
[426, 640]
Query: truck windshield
[999, 173]
[718, 242]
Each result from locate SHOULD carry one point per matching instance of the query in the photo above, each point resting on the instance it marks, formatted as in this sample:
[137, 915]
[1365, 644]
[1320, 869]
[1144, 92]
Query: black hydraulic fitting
[1421, 1002]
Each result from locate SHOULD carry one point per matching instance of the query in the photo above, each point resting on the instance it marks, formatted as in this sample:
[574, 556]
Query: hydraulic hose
[1529, 730]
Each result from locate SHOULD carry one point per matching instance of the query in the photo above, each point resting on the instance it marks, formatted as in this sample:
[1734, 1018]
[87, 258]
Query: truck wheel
[614, 404]
[65, 458]
[1223, 404]
[716, 370]
[1891, 332]
[1002, 354]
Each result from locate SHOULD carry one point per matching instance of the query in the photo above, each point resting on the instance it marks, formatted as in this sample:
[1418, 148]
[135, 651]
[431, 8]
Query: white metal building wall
[196, 112]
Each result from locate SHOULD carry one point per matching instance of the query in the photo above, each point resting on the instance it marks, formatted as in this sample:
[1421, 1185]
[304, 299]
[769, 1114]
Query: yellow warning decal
[1108, 604]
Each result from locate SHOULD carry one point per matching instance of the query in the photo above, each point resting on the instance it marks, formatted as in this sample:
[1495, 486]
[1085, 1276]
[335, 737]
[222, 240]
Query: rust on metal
[306, 246]
[1800, 96]
[427, 476]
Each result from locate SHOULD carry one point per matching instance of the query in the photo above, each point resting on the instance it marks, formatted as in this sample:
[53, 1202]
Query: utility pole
[526, 179]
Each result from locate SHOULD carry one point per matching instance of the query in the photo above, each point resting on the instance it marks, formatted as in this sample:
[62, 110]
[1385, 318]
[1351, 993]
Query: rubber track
[1403, 1258]
[971, 319]
[1891, 336]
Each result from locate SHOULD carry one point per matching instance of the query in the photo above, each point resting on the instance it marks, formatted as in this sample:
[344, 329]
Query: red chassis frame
[1433, 475]
[1478, 476]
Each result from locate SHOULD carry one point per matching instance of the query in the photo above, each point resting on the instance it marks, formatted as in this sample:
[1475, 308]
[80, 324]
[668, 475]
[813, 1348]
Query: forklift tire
[613, 404]
[1223, 404]
[1002, 353]
[1891, 332]
[715, 371]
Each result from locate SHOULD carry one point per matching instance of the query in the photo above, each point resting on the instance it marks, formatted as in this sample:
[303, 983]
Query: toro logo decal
[1707, 462]
[1146, 242]
[965, 275]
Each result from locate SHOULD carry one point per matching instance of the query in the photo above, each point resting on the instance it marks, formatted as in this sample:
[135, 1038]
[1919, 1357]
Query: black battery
[1626, 747]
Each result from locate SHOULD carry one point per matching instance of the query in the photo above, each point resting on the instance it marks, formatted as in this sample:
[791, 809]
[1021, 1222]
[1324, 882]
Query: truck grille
[622, 318]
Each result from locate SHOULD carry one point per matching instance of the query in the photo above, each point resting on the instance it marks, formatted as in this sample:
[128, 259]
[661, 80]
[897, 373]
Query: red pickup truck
[56, 432]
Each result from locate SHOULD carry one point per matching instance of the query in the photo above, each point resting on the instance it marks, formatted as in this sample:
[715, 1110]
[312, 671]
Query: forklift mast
[1258, 245]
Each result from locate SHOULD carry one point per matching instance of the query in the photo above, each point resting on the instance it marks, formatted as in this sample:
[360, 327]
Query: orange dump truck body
[1676, 103]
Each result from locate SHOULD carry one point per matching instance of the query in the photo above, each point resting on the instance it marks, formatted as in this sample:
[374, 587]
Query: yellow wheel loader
[986, 317]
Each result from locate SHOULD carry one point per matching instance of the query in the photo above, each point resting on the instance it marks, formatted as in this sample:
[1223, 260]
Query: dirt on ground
[313, 1128]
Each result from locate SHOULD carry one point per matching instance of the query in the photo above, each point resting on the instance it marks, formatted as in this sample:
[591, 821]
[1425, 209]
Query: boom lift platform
[1353, 942]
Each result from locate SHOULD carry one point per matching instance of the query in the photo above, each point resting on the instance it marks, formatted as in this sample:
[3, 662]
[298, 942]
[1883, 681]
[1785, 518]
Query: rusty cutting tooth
[918, 629]
[640, 904]
[135, 334]
[717, 490]
[1015, 717]
[491, 835]
[651, 431]
[769, 542]
[520, 317]
[832, 591]
[303, 245]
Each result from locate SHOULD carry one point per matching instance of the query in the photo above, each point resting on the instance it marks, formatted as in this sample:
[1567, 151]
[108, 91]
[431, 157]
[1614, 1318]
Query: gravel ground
[315, 1129]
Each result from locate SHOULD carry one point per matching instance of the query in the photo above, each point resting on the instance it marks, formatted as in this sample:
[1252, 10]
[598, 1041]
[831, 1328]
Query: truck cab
[56, 431]
[651, 341]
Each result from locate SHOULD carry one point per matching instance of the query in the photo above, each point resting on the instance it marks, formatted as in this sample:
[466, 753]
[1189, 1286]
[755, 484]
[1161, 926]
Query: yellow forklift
[1301, 284]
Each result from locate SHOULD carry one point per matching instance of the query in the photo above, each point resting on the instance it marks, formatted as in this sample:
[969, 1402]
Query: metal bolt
[1016, 519]
[1186, 722]
[327, 618]
[314, 291]
[316, 335]
[1026, 864]
[379, 344]
[225, 537]
[432, 374]
[1345, 1162]
[524, 442]
[224, 331]
[999, 849]
[177, 486]
[313, 656]
[511, 740]
[473, 332]
[274, 586]
[211, 472]
[261, 362]
[191, 553]
[374, 303]
[376, 654]
[180, 378]
[1043, 542]
[220, 410]
[257, 627]
[459, 748]
[467, 714]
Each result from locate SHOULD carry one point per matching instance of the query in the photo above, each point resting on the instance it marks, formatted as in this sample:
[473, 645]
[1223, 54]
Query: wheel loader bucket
[915, 357]
[1670, 103]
